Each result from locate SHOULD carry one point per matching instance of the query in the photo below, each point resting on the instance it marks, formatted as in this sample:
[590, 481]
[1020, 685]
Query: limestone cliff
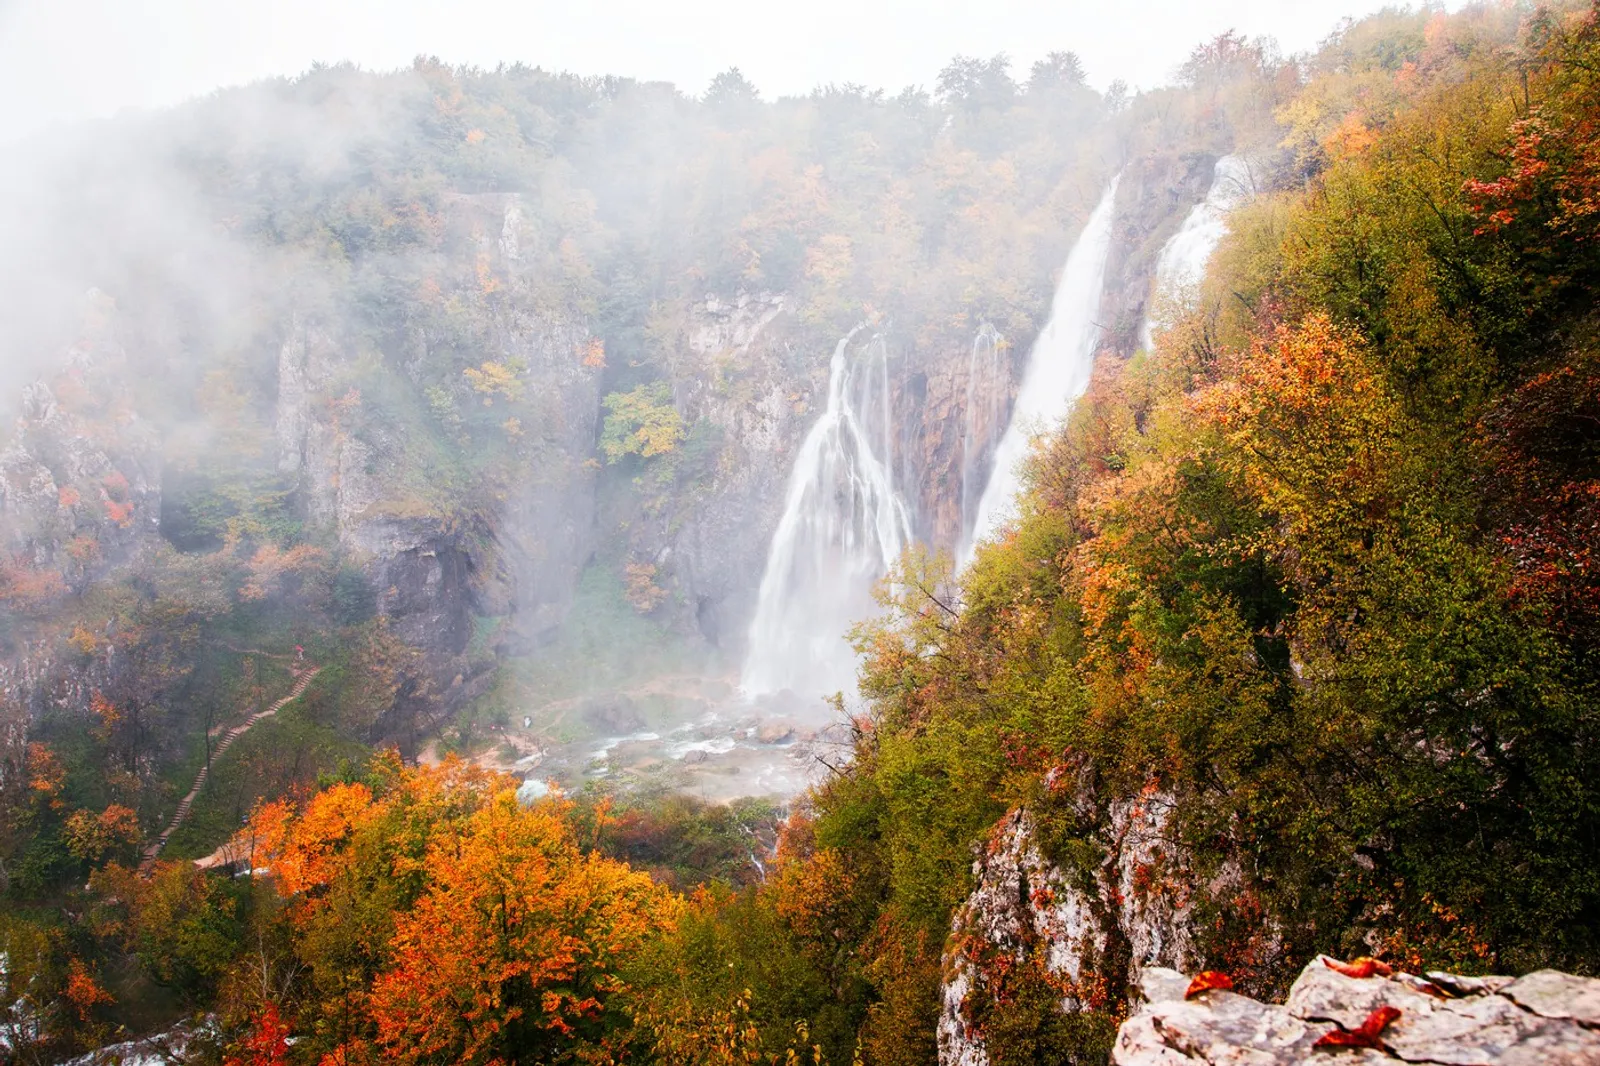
[80, 494]
[440, 555]
[736, 374]
[1155, 194]
[80, 472]
[1089, 929]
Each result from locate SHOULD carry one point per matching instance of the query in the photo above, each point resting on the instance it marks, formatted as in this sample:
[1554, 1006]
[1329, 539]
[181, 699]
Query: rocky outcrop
[1088, 931]
[80, 469]
[1156, 192]
[955, 406]
[1546, 1018]
[440, 554]
[1023, 910]
[735, 377]
[1122, 925]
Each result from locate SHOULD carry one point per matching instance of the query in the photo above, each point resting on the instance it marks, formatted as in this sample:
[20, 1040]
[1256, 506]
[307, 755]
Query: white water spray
[1181, 267]
[843, 526]
[1058, 368]
[985, 407]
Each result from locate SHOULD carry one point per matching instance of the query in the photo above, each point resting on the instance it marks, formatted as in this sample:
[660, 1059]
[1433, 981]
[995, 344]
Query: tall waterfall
[1182, 264]
[843, 526]
[986, 406]
[1058, 367]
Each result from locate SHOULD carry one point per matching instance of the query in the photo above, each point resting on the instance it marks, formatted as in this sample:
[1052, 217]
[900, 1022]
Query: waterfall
[1058, 367]
[1181, 266]
[985, 407]
[843, 526]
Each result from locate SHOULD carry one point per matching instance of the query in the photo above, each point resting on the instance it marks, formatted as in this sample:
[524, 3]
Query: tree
[981, 94]
[513, 953]
[1058, 70]
[184, 925]
[441, 921]
[731, 89]
[92, 838]
[974, 85]
[640, 422]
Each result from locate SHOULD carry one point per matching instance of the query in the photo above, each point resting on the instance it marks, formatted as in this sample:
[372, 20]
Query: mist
[526, 360]
[160, 54]
[889, 527]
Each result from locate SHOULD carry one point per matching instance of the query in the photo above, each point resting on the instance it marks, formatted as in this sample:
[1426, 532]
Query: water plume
[1058, 368]
[843, 526]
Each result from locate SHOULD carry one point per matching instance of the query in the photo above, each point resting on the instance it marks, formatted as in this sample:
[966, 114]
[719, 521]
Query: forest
[397, 423]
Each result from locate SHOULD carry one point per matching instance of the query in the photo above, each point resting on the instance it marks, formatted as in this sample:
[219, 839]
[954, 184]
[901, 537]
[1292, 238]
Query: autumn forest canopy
[396, 467]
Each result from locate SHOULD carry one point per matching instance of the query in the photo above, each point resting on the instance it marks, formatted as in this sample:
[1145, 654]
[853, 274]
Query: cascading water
[986, 406]
[1058, 367]
[843, 526]
[1182, 264]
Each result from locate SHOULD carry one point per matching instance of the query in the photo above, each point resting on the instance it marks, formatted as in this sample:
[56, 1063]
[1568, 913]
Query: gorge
[505, 566]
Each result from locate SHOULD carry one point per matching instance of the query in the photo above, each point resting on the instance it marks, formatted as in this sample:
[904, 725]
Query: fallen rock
[778, 732]
[1546, 1018]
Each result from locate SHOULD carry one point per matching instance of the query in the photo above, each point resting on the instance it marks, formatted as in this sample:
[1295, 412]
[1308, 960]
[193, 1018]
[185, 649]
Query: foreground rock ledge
[1547, 1018]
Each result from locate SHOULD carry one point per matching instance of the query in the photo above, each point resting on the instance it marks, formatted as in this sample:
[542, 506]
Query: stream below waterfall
[699, 736]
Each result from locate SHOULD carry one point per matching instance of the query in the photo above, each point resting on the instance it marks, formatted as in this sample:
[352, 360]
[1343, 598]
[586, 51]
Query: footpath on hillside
[303, 678]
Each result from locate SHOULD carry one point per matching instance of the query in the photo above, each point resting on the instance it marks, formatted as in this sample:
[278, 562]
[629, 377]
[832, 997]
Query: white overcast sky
[68, 59]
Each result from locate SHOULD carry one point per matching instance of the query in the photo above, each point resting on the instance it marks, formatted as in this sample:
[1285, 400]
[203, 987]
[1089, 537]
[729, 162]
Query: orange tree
[436, 920]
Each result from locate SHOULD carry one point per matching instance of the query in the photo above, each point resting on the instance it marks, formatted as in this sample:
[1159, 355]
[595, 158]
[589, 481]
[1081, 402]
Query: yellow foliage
[487, 282]
[641, 422]
[831, 260]
[642, 590]
[91, 837]
[83, 641]
[491, 379]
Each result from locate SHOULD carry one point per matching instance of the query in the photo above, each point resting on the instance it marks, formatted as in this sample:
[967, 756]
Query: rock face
[954, 406]
[79, 462]
[1022, 910]
[1547, 1018]
[80, 492]
[1125, 924]
[435, 560]
[736, 376]
[1090, 931]
[1155, 194]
